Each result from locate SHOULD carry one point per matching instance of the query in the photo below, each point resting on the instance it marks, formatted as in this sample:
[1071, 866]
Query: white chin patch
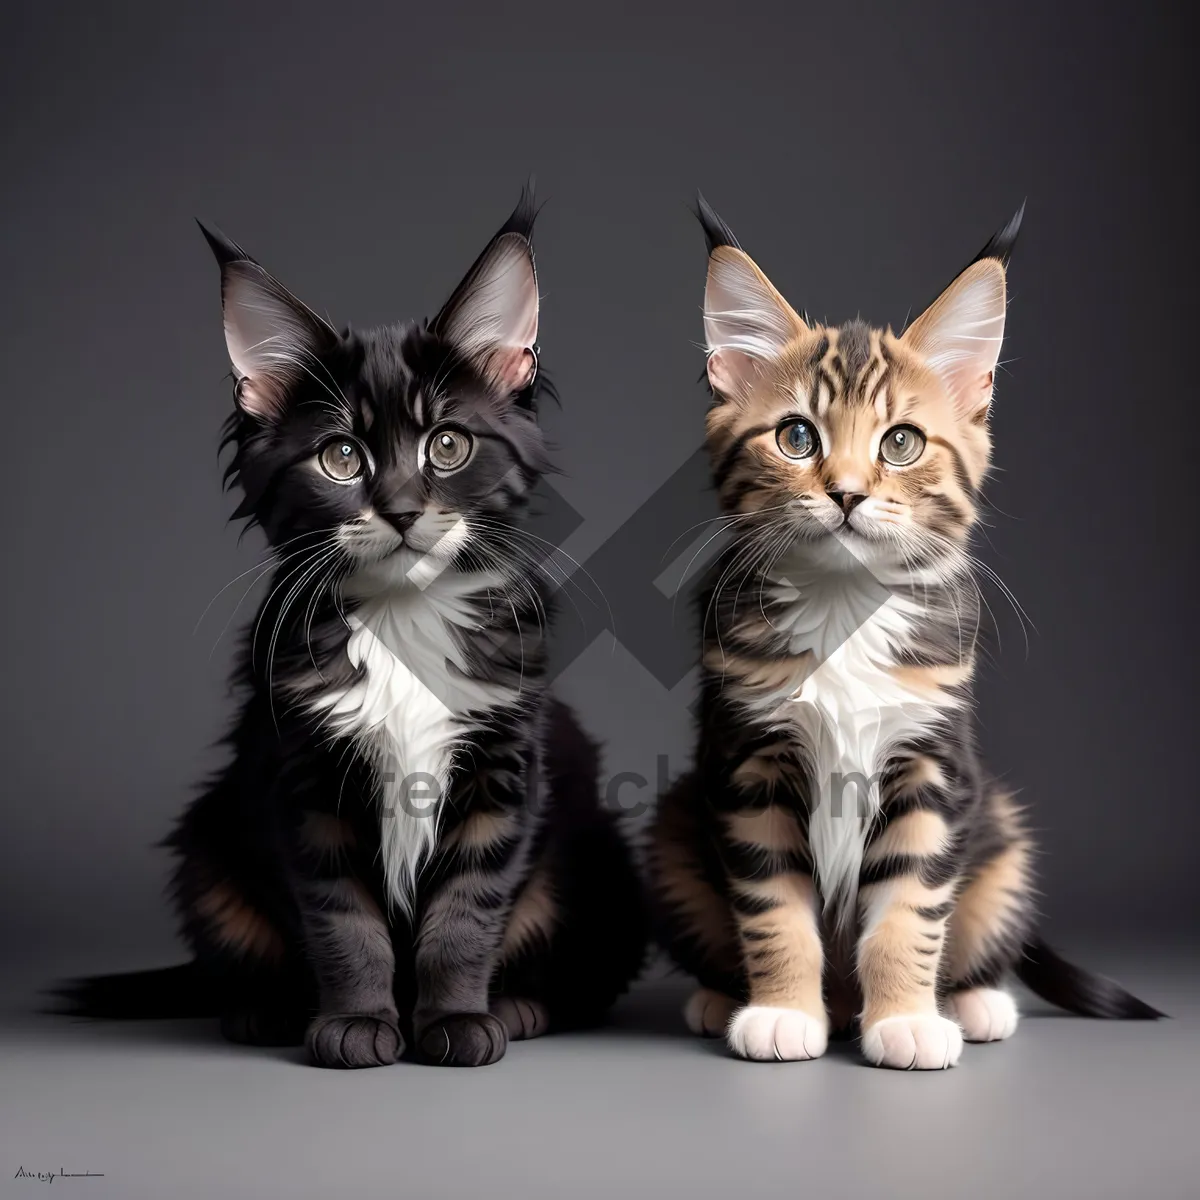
[984, 1014]
[777, 1034]
[422, 553]
[439, 534]
[432, 544]
[917, 1042]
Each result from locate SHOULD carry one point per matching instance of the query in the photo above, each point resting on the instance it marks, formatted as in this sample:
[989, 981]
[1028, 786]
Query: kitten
[839, 846]
[407, 844]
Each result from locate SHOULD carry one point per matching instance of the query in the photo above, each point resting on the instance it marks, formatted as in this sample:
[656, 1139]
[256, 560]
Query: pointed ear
[746, 321]
[960, 334]
[492, 318]
[273, 339]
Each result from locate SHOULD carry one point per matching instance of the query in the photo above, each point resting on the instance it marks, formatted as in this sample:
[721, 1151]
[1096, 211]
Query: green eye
[902, 445]
[797, 439]
[448, 449]
[341, 459]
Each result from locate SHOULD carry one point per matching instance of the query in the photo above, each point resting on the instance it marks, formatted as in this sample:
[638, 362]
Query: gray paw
[463, 1040]
[354, 1040]
[522, 1018]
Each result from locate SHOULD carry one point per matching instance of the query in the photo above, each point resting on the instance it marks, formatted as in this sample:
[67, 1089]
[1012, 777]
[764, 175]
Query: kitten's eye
[902, 445]
[797, 439]
[341, 459]
[448, 449]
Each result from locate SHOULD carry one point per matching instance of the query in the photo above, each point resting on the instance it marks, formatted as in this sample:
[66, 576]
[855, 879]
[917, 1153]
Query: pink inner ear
[262, 397]
[976, 394]
[512, 367]
[729, 371]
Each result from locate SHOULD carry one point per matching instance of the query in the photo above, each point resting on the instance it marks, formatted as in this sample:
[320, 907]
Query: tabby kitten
[839, 848]
[407, 845]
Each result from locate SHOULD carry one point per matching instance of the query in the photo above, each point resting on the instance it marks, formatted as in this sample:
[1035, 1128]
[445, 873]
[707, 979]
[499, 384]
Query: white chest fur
[850, 712]
[412, 707]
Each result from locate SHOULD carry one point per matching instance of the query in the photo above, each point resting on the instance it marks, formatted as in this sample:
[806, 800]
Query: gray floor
[1069, 1108]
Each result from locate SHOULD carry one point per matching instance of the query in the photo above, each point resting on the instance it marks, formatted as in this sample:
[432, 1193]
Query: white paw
[777, 1034]
[913, 1043]
[985, 1014]
[708, 1012]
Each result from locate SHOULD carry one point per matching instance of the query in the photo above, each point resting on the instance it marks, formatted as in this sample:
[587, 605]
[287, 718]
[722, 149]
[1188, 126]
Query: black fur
[1053, 978]
[716, 232]
[295, 929]
[1001, 244]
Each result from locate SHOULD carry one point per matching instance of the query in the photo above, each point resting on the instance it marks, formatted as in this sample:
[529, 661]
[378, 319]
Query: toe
[464, 1040]
[913, 1042]
[769, 1034]
[354, 1041]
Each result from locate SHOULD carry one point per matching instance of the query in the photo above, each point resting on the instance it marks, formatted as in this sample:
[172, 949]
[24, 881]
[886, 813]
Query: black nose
[846, 501]
[401, 521]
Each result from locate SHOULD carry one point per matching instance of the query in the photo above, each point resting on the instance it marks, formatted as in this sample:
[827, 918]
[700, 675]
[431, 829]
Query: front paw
[463, 1040]
[777, 1034]
[354, 1040]
[913, 1042]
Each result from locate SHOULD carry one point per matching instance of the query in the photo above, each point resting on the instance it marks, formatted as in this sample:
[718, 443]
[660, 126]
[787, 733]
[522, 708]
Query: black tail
[182, 991]
[1053, 978]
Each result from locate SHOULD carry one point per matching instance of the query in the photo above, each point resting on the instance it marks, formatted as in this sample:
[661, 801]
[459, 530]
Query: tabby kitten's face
[853, 437]
[407, 443]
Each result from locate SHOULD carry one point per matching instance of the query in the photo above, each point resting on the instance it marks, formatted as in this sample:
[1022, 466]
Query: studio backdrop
[365, 164]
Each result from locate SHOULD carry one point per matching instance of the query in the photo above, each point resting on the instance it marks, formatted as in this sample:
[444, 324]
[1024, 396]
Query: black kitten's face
[407, 443]
[406, 449]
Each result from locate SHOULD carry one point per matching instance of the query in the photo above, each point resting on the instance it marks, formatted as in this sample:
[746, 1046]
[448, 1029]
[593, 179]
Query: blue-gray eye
[902, 445]
[797, 439]
[340, 459]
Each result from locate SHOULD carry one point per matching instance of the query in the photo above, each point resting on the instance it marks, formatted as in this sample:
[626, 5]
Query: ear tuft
[1000, 244]
[523, 216]
[492, 317]
[273, 339]
[224, 250]
[716, 232]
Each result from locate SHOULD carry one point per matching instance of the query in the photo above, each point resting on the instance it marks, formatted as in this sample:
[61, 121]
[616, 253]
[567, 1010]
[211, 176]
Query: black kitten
[408, 841]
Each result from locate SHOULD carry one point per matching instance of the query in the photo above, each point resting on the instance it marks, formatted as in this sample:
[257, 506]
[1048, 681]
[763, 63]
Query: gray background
[862, 152]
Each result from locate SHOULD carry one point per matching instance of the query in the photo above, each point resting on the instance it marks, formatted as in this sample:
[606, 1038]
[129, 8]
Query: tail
[182, 991]
[1062, 983]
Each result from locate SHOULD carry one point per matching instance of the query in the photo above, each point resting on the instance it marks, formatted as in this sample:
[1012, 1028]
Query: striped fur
[839, 848]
